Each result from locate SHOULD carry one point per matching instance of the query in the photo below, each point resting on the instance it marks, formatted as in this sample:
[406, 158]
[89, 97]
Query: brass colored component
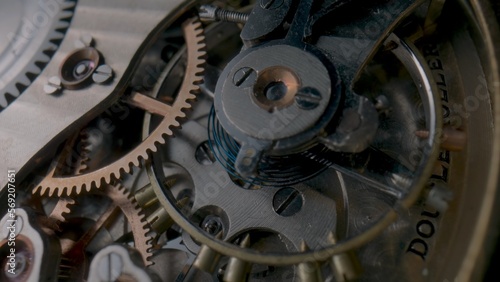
[72, 185]
[207, 258]
[237, 269]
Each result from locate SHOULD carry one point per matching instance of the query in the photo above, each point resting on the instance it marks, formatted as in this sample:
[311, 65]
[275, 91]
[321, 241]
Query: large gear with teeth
[71, 185]
[31, 32]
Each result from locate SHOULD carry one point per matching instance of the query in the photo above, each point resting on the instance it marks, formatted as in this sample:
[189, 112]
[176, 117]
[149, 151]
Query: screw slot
[275, 88]
[244, 77]
[287, 201]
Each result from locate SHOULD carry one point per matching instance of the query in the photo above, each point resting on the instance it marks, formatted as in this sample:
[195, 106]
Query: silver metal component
[102, 74]
[271, 4]
[81, 69]
[382, 104]
[309, 271]
[212, 224]
[86, 40]
[53, 86]
[442, 237]
[259, 120]
[438, 195]
[213, 13]
[204, 155]
[308, 98]
[116, 262]
[248, 158]
[11, 224]
[237, 269]
[71, 111]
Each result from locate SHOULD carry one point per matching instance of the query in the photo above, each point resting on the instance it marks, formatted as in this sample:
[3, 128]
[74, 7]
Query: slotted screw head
[85, 40]
[244, 77]
[53, 85]
[102, 74]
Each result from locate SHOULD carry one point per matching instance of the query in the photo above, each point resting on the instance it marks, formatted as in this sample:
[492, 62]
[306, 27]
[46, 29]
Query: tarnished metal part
[214, 13]
[30, 32]
[123, 200]
[170, 113]
[61, 209]
[36, 255]
[443, 236]
[25, 137]
[265, 20]
[75, 251]
[117, 263]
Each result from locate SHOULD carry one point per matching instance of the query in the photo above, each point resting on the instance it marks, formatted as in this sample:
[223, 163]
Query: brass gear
[73, 185]
[120, 199]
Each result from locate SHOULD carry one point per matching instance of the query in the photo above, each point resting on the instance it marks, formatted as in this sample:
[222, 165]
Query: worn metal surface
[31, 128]
[402, 212]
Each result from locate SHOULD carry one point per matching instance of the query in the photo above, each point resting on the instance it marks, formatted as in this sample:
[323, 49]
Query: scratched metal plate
[423, 244]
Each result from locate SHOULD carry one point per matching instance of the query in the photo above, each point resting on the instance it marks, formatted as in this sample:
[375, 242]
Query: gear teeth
[190, 87]
[33, 69]
[208, 259]
[26, 74]
[61, 210]
[44, 58]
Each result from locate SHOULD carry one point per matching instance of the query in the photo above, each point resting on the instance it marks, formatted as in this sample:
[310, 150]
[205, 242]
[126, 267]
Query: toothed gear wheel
[122, 198]
[73, 185]
[31, 32]
[61, 210]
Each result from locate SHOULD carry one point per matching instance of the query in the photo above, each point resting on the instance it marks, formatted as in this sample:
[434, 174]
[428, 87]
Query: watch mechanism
[249, 140]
